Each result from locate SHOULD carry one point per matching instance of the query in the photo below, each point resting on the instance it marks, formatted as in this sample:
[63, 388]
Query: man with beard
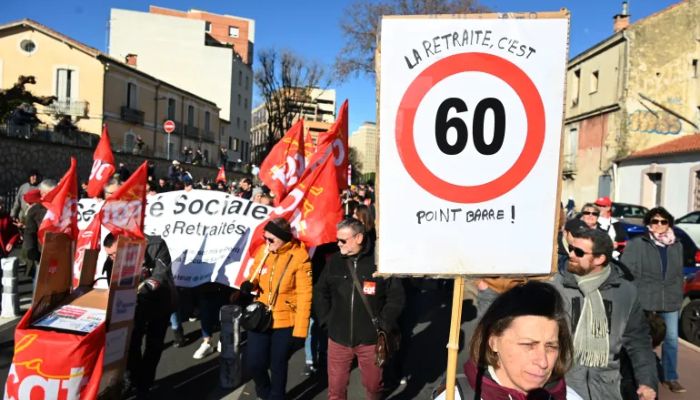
[605, 317]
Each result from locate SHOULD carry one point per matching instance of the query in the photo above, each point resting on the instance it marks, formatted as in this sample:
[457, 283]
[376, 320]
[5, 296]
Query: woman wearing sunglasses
[656, 261]
[282, 279]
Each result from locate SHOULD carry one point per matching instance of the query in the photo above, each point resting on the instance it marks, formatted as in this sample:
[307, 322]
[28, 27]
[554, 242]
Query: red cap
[603, 201]
[32, 196]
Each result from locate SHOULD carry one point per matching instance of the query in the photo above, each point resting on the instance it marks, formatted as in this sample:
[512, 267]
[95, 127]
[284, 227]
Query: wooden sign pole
[453, 344]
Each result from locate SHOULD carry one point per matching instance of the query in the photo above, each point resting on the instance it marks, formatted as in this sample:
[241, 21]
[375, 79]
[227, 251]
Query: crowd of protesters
[586, 333]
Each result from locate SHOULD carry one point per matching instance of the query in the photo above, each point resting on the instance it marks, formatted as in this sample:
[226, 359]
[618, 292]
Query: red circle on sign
[470, 62]
[169, 126]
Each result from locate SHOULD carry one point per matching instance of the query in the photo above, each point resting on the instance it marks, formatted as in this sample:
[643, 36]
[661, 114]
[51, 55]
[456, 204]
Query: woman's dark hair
[364, 214]
[658, 211]
[532, 298]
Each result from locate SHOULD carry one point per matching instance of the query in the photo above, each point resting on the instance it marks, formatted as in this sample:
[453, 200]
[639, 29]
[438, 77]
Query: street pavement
[179, 376]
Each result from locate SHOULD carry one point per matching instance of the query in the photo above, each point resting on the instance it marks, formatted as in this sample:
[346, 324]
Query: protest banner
[206, 231]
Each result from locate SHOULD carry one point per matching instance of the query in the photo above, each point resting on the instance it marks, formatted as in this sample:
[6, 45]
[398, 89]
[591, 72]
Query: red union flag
[61, 206]
[312, 208]
[333, 144]
[281, 169]
[102, 165]
[123, 212]
[53, 365]
[221, 176]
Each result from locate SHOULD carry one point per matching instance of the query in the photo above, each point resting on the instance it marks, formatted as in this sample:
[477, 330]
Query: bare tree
[360, 25]
[286, 83]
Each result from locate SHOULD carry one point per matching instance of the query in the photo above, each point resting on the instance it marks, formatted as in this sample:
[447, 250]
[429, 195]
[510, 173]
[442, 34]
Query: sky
[309, 28]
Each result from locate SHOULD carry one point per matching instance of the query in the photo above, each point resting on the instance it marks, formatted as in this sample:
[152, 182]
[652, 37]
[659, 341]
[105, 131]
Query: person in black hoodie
[341, 310]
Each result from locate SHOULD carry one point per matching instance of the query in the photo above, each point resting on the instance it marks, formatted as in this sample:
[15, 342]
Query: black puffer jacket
[339, 307]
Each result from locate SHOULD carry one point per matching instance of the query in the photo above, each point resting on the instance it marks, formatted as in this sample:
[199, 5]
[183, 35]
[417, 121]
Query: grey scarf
[591, 341]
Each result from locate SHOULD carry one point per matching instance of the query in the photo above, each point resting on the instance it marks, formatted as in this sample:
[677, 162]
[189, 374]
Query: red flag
[334, 144]
[102, 165]
[123, 211]
[281, 169]
[309, 146]
[221, 176]
[61, 206]
[312, 208]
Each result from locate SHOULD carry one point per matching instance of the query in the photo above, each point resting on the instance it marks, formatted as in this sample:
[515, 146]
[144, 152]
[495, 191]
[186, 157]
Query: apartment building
[366, 142]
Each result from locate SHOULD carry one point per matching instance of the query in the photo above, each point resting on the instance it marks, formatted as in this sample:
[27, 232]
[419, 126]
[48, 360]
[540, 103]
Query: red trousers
[339, 363]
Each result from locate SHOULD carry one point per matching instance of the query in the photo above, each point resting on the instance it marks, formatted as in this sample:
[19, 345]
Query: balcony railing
[208, 136]
[569, 164]
[132, 115]
[68, 107]
[191, 131]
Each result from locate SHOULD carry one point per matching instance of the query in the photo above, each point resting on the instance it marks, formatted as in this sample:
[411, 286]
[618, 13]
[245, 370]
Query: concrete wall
[676, 182]
[52, 160]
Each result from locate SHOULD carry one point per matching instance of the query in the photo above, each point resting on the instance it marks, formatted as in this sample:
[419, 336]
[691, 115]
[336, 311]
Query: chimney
[622, 21]
[131, 59]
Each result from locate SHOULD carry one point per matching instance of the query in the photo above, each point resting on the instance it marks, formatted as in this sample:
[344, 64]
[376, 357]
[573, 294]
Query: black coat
[32, 221]
[339, 307]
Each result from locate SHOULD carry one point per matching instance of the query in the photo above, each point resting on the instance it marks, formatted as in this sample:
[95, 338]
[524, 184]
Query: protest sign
[471, 112]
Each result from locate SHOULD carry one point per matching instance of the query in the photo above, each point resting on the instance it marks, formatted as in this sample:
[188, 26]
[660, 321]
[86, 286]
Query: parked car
[690, 311]
[690, 223]
[631, 213]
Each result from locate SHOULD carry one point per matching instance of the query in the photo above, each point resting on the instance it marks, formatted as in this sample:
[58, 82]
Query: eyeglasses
[269, 239]
[656, 221]
[579, 252]
[590, 213]
[343, 241]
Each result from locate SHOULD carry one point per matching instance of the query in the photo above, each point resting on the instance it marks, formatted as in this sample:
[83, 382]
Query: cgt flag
[102, 165]
[61, 206]
[123, 212]
[221, 176]
[334, 144]
[285, 164]
[313, 209]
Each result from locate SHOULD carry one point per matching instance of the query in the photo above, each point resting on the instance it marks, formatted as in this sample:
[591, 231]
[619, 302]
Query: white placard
[471, 117]
[207, 232]
[123, 306]
[115, 345]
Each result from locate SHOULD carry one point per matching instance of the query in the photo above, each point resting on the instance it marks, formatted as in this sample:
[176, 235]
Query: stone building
[638, 88]
[366, 142]
[95, 89]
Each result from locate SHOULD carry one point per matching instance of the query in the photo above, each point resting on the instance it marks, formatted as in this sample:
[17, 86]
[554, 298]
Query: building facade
[630, 92]
[366, 142]
[318, 114]
[208, 54]
[95, 89]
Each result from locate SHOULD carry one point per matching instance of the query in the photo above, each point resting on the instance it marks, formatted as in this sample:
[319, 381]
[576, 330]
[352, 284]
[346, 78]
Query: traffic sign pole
[169, 127]
[168, 146]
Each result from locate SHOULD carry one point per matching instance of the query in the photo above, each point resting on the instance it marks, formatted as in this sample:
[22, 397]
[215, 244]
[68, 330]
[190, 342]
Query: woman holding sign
[282, 280]
[522, 347]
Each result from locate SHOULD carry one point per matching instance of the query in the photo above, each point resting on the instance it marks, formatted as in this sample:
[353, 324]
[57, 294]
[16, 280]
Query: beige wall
[49, 55]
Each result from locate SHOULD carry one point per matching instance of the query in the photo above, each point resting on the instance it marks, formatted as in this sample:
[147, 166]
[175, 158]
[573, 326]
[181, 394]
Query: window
[575, 85]
[245, 125]
[594, 81]
[171, 109]
[230, 142]
[694, 68]
[239, 99]
[28, 46]
[235, 144]
[247, 83]
[64, 84]
[207, 26]
[207, 127]
[245, 102]
[129, 140]
[240, 78]
[233, 31]
[190, 115]
[238, 122]
[131, 95]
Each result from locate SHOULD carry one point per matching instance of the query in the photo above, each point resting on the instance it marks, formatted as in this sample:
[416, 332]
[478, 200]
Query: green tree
[360, 25]
[11, 99]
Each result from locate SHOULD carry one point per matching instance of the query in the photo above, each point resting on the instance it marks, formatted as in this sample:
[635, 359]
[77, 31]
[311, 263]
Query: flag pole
[453, 343]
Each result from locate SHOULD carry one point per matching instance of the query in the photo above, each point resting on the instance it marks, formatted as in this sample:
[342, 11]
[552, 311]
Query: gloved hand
[148, 285]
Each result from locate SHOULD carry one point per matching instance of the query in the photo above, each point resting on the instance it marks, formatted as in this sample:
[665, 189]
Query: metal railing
[191, 131]
[569, 163]
[68, 107]
[132, 115]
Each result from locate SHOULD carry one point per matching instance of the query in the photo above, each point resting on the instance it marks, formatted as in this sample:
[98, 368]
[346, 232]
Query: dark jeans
[152, 324]
[269, 350]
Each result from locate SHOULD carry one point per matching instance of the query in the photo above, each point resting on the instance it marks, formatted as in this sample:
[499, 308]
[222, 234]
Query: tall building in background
[318, 114]
[208, 54]
[365, 141]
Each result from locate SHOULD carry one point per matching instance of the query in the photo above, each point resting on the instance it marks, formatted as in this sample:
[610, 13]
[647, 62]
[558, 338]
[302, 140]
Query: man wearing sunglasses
[341, 310]
[605, 316]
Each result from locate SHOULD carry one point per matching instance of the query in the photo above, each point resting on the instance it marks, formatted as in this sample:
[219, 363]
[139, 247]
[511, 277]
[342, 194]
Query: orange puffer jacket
[293, 305]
